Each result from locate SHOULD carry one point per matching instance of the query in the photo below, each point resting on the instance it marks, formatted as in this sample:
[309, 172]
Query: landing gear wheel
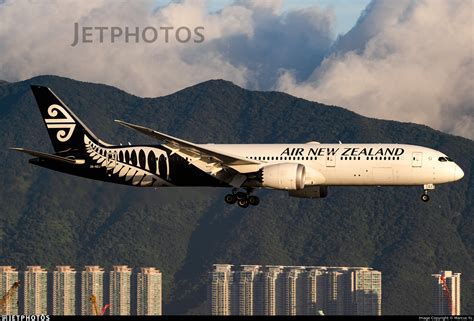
[254, 200]
[425, 197]
[241, 196]
[244, 203]
[230, 198]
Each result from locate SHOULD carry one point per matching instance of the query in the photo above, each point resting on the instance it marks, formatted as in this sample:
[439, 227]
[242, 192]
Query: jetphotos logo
[127, 34]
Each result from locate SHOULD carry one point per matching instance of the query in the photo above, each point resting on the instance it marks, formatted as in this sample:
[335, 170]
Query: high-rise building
[446, 293]
[64, 291]
[35, 290]
[120, 290]
[219, 291]
[92, 283]
[335, 284]
[8, 276]
[149, 291]
[314, 291]
[245, 292]
[294, 290]
[272, 296]
[365, 292]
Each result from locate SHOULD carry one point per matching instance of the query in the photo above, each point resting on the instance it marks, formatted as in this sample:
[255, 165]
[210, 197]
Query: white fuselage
[352, 164]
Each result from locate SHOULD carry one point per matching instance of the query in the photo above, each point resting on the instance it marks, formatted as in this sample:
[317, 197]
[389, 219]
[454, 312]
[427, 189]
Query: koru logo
[63, 122]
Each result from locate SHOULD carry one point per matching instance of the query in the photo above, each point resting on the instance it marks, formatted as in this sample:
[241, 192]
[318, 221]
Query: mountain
[49, 218]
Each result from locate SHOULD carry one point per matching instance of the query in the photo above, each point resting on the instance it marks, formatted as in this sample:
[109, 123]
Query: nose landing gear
[243, 199]
[425, 197]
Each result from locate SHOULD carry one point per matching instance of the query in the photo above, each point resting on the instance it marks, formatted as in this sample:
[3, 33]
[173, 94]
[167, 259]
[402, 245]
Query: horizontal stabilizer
[49, 156]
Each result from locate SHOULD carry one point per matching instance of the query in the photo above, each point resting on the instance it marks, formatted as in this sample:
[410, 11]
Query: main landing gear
[243, 199]
[425, 197]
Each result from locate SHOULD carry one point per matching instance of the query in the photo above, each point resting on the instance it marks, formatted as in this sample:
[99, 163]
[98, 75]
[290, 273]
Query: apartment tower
[120, 290]
[219, 290]
[64, 291]
[8, 276]
[365, 292]
[149, 291]
[35, 290]
[246, 290]
[92, 283]
[446, 293]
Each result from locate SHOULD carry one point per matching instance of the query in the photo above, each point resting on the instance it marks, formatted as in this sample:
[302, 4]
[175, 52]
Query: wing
[214, 162]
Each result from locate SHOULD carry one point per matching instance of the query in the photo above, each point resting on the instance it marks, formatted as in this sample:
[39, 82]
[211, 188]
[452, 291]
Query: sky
[405, 60]
[346, 11]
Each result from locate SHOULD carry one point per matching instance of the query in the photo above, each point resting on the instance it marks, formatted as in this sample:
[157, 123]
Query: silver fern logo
[144, 173]
[60, 120]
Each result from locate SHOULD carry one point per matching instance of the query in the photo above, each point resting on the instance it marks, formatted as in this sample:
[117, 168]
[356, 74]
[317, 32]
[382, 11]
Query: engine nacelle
[310, 192]
[287, 176]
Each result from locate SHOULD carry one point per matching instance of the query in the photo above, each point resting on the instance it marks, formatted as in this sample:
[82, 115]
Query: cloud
[246, 42]
[43, 46]
[404, 60]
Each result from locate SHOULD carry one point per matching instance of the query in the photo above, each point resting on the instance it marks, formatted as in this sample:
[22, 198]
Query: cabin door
[417, 159]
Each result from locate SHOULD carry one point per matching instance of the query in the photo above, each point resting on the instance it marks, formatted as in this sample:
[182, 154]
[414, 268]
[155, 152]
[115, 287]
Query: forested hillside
[49, 218]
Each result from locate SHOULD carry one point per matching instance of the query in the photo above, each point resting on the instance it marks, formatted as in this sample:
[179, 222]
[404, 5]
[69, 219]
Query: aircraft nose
[458, 172]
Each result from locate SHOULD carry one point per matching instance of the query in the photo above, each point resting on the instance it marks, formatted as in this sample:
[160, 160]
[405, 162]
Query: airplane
[303, 170]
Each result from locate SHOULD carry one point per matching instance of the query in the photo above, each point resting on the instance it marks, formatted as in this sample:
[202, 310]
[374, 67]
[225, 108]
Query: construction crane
[104, 309]
[447, 294]
[7, 297]
[95, 309]
[93, 300]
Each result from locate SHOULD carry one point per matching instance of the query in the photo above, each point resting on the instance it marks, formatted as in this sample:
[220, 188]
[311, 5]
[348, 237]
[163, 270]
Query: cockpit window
[445, 159]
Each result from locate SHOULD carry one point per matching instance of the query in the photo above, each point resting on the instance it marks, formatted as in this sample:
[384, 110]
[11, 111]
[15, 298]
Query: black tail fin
[65, 130]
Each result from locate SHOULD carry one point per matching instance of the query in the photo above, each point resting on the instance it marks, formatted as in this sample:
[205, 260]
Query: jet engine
[310, 192]
[287, 176]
